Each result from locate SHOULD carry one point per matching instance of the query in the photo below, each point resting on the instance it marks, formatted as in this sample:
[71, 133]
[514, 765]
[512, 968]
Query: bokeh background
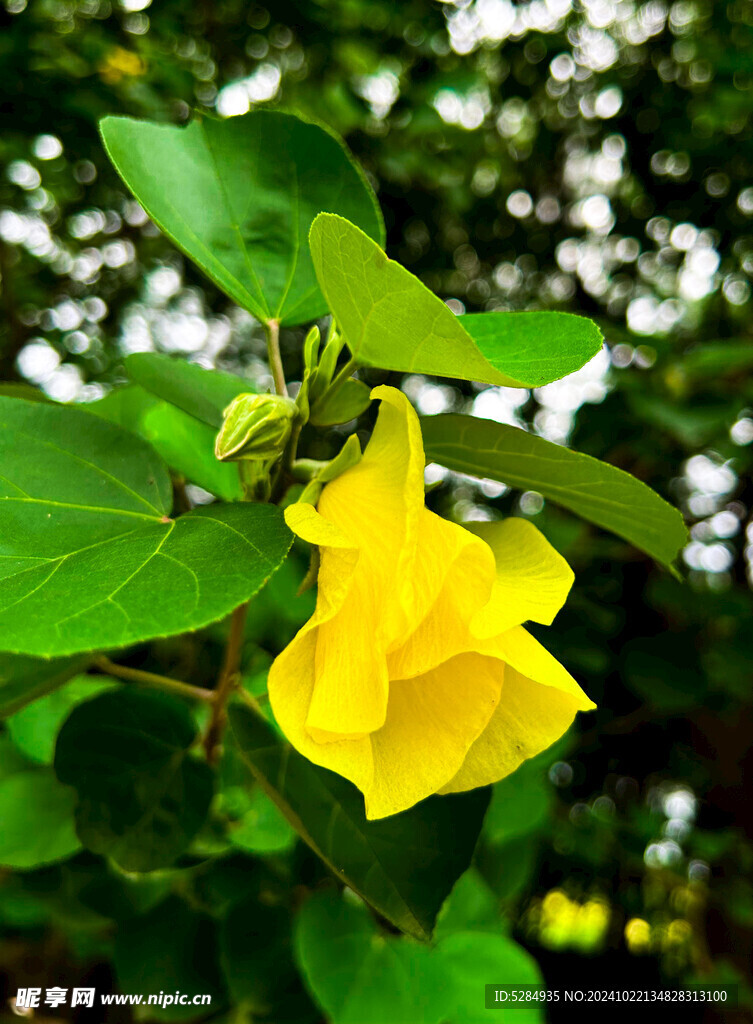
[594, 156]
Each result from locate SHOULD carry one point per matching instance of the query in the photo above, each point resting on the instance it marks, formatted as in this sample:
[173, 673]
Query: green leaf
[185, 442]
[391, 320]
[472, 960]
[125, 407]
[89, 558]
[203, 394]
[171, 949]
[142, 795]
[404, 865]
[238, 197]
[347, 403]
[262, 829]
[24, 679]
[34, 728]
[592, 489]
[36, 812]
[187, 446]
[519, 804]
[257, 961]
[361, 976]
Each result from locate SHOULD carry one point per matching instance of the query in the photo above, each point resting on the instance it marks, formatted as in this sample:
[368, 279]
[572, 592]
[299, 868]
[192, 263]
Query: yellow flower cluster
[415, 674]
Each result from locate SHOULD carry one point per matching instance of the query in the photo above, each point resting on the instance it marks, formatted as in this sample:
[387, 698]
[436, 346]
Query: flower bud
[256, 427]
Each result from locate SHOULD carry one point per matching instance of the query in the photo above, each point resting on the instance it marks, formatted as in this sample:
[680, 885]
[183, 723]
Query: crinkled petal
[538, 704]
[454, 573]
[378, 503]
[290, 685]
[375, 505]
[432, 721]
[352, 685]
[532, 579]
[518, 648]
[528, 719]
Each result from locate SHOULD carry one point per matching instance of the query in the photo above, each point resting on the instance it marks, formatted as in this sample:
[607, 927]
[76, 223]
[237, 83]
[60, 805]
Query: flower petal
[533, 580]
[453, 576]
[432, 721]
[352, 684]
[528, 719]
[538, 704]
[378, 503]
[290, 685]
[518, 648]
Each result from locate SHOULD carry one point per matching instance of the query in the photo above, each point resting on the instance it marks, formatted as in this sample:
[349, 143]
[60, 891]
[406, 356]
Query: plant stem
[136, 675]
[272, 330]
[252, 702]
[227, 682]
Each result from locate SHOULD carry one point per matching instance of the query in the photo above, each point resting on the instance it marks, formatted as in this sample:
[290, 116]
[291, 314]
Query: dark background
[595, 157]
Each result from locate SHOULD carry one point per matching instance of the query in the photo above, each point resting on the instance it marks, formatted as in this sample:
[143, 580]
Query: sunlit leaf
[89, 557]
[238, 197]
[391, 320]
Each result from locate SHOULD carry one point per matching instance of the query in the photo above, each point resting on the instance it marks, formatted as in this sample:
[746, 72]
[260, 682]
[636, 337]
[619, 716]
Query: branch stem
[272, 331]
[136, 675]
[226, 683]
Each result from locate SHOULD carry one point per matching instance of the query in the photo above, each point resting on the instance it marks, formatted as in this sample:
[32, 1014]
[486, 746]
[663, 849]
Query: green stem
[272, 330]
[227, 682]
[136, 675]
[252, 702]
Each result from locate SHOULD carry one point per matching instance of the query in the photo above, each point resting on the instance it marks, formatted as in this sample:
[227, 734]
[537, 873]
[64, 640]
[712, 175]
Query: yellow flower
[415, 675]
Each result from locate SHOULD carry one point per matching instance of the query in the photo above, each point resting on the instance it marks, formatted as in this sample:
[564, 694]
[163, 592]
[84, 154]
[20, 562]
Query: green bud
[256, 428]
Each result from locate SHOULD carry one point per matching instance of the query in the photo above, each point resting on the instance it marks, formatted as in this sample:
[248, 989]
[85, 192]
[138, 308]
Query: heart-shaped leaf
[359, 975]
[592, 489]
[142, 795]
[238, 197]
[391, 320]
[89, 557]
[404, 866]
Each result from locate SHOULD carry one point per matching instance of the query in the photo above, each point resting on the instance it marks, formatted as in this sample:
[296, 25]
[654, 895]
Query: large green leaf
[36, 812]
[88, 555]
[361, 976]
[187, 446]
[142, 795]
[592, 489]
[204, 394]
[404, 865]
[24, 679]
[185, 442]
[391, 320]
[238, 197]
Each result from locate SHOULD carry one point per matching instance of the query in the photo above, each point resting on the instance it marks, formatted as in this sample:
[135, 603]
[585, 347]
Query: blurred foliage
[595, 157]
